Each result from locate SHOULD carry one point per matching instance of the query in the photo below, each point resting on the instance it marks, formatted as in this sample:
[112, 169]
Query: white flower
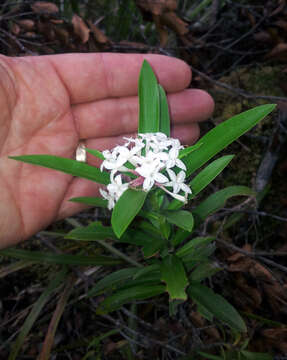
[177, 182]
[173, 159]
[116, 187]
[111, 199]
[114, 191]
[151, 154]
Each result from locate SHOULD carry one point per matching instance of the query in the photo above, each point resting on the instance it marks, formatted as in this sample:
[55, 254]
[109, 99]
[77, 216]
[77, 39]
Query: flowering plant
[147, 182]
[151, 155]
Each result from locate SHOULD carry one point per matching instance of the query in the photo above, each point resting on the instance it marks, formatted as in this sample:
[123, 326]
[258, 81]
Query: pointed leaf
[91, 201]
[112, 281]
[224, 134]
[151, 243]
[124, 296]
[146, 270]
[180, 218]
[209, 356]
[217, 305]
[126, 208]
[193, 245]
[217, 200]
[204, 178]
[93, 232]
[179, 237]
[186, 151]
[96, 153]
[203, 271]
[148, 100]
[153, 247]
[173, 274]
[248, 355]
[209, 173]
[164, 121]
[68, 166]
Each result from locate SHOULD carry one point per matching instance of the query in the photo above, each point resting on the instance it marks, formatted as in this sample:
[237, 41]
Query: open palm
[49, 103]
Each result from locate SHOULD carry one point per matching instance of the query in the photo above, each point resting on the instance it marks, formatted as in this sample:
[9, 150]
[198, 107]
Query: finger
[89, 77]
[113, 117]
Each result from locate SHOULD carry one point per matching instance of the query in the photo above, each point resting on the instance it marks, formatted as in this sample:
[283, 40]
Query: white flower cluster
[149, 159]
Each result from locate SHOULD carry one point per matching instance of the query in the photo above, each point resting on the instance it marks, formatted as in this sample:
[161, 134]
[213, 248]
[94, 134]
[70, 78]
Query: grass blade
[65, 259]
[38, 306]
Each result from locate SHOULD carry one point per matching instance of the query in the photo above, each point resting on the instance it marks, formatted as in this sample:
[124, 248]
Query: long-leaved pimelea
[154, 163]
[146, 182]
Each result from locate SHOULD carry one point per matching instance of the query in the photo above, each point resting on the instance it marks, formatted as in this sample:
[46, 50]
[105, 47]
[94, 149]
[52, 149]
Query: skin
[49, 103]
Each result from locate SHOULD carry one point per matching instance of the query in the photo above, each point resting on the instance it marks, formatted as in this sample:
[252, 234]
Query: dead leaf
[44, 7]
[277, 337]
[15, 29]
[80, 28]
[263, 36]
[100, 37]
[279, 52]
[157, 7]
[62, 34]
[27, 24]
[47, 29]
[253, 295]
[175, 23]
[281, 24]
[280, 7]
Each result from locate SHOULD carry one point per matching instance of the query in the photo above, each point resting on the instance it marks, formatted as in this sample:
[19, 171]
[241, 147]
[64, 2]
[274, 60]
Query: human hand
[49, 103]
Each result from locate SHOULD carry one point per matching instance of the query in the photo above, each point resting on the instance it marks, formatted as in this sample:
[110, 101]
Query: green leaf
[203, 271]
[164, 121]
[208, 174]
[151, 243]
[173, 274]
[148, 100]
[91, 201]
[165, 227]
[217, 305]
[68, 166]
[92, 232]
[146, 270]
[95, 153]
[112, 281]
[255, 355]
[204, 312]
[186, 151]
[126, 208]
[124, 296]
[204, 178]
[180, 218]
[209, 356]
[217, 200]
[224, 134]
[192, 246]
[65, 259]
[179, 237]
[34, 313]
[153, 247]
